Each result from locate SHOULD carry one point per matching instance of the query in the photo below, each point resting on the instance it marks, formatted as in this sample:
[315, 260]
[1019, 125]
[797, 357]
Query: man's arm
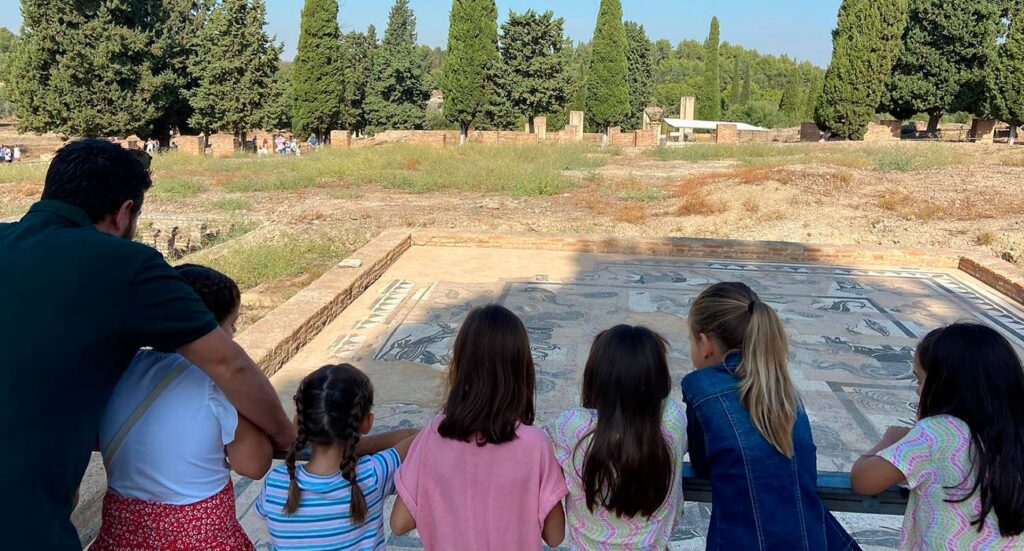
[243, 383]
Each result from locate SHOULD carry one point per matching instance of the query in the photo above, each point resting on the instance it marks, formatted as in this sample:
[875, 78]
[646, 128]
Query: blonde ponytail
[766, 389]
[735, 317]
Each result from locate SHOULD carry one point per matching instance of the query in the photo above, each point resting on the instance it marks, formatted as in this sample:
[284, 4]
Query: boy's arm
[872, 475]
[376, 443]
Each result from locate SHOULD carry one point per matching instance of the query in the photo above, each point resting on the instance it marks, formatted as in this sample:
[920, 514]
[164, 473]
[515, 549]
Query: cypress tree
[640, 59]
[276, 113]
[943, 57]
[317, 74]
[177, 42]
[1005, 87]
[234, 68]
[397, 93]
[471, 65]
[536, 77]
[87, 68]
[813, 93]
[358, 53]
[736, 89]
[709, 100]
[607, 95]
[790, 104]
[865, 44]
[747, 83]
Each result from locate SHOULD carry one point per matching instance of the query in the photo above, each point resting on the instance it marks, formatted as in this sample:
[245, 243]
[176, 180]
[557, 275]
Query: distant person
[6, 154]
[336, 499]
[963, 459]
[264, 149]
[170, 439]
[16, 154]
[281, 146]
[481, 476]
[80, 298]
[174, 145]
[622, 451]
[313, 142]
[748, 431]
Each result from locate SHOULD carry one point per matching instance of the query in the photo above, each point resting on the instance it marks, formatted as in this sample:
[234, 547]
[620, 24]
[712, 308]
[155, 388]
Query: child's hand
[894, 434]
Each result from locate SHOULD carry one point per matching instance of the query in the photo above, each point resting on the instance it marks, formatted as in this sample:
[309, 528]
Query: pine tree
[1005, 87]
[790, 104]
[607, 95]
[177, 41]
[536, 77]
[358, 53]
[865, 44]
[640, 58]
[317, 74]
[397, 93]
[709, 100]
[86, 68]
[747, 84]
[944, 55]
[471, 65]
[736, 89]
[234, 68]
[276, 113]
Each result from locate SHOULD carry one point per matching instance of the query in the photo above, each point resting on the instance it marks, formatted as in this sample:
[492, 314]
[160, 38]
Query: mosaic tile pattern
[852, 336]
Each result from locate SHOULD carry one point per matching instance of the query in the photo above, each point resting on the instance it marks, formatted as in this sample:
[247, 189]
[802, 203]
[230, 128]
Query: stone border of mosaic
[276, 338]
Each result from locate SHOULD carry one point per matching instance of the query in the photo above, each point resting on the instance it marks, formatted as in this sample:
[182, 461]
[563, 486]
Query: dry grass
[700, 203]
[632, 214]
[751, 205]
[986, 239]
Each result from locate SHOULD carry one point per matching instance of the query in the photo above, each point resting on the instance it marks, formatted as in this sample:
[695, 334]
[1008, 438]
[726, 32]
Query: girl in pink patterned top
[963, 459]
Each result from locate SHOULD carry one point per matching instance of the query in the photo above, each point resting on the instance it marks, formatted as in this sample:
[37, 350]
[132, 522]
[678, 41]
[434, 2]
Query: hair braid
[360, 409]
[294, 493]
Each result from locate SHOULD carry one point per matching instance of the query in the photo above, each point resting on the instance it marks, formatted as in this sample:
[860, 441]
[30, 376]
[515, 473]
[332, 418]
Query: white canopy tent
[710, 125]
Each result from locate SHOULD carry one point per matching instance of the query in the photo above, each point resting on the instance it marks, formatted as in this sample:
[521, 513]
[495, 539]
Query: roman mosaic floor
[852, 335]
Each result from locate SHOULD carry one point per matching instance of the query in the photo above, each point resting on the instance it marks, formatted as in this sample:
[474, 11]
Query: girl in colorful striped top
[963, 459]
[336, 500]
[622, 451]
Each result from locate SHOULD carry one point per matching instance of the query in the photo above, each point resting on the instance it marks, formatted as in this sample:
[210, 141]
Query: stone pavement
[852, 335]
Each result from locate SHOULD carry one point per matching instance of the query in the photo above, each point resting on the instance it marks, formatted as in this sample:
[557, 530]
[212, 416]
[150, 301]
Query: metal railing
[833, 488]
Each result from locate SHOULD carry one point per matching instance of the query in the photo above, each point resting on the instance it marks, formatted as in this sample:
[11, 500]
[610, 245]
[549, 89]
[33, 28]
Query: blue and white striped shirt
[322, 521]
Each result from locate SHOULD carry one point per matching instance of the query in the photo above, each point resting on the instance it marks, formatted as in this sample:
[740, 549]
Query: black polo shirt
[75, 306]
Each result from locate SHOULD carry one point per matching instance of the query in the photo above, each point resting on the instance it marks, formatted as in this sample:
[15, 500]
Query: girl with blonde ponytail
[335, 500]
[748, 431]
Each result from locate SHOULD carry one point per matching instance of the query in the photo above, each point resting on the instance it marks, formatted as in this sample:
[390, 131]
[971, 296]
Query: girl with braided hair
[170, 439]
[336, 499]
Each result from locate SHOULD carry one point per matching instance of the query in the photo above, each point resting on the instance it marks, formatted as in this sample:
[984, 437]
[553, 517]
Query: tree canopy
[943, 58]
[709, 100]
[536, 77]
[397, 92]
[471, 65]
[234, 68]
[318, 85]
[358, 53]
[865, 45]
[607, 97]
[1005, 87]
[640, 59]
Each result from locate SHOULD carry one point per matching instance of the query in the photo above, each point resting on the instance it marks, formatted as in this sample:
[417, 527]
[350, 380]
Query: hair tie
[750, 307]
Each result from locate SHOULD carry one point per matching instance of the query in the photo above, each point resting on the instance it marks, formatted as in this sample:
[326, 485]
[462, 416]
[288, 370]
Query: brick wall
[222, 145]
[191, 145]
[727, 133]
[885, 131]
[997, 274]
[809, 132]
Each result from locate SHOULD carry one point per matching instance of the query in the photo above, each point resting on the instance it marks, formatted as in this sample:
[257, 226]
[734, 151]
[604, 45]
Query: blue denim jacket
[761, 499]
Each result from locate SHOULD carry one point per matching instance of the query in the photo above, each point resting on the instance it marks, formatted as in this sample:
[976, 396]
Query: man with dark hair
[78, 298]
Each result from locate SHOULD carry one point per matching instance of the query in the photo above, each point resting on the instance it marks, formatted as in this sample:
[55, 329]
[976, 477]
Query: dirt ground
[976, 206]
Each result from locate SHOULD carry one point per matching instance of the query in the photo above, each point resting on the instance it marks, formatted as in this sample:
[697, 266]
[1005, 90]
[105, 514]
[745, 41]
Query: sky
[800, 28]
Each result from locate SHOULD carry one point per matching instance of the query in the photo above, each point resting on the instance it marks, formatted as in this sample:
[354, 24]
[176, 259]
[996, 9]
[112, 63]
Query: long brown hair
[490, 379]
[735, 317]
[330, 404]
[628, 466]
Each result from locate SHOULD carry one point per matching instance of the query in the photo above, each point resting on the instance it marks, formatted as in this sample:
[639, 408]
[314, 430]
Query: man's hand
[243, 383]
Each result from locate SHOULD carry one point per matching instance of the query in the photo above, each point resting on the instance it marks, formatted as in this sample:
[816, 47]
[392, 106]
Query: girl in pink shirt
[480, 476]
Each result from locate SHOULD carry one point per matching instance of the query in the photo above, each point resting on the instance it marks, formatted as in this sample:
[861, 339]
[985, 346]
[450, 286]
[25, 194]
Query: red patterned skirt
[136, 525]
